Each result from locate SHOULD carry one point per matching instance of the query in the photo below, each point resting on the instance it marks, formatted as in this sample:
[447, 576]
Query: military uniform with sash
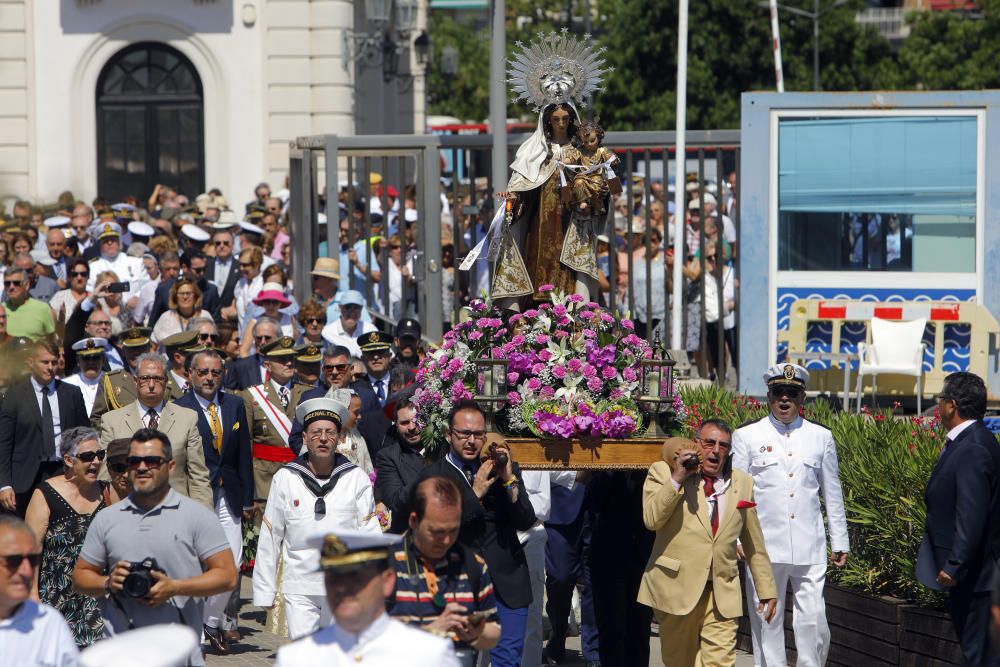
[117, 388]
[270, 421]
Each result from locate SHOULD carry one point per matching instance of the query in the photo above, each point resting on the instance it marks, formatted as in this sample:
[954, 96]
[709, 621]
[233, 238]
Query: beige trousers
[701, 638]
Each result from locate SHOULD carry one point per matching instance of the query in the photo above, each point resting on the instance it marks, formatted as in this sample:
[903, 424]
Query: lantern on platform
[491, 386]
[657, 380]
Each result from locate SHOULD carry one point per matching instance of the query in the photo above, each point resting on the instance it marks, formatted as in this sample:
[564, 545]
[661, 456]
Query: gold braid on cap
[557, 68]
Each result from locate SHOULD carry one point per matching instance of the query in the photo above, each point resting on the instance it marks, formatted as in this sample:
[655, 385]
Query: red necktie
[709, 490]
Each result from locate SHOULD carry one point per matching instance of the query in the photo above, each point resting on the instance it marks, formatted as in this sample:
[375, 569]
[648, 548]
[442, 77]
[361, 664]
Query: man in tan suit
[692, 581]
[150, 410]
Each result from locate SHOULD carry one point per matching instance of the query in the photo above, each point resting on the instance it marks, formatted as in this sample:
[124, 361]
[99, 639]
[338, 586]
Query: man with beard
[399, 463]
[791, 461]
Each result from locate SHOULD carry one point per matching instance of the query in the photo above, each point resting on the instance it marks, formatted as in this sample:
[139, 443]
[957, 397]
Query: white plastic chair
[897, 348]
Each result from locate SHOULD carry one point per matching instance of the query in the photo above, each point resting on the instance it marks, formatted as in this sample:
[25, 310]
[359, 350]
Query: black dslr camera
[140, 579]
[497, 454]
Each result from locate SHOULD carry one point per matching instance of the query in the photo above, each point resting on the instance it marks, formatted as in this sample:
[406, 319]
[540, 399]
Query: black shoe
[553, 655]
[217, 639]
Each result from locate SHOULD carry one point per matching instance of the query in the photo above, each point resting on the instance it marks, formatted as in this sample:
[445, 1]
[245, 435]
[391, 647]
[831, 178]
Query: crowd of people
[172, 419]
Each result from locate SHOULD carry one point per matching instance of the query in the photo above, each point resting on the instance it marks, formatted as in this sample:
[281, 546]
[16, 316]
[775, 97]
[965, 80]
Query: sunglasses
[208, 336]
[88, 457]
[789, 392]
[360, 376]
[205, 372]
[118, 467]
[78, 274]
[335, 367]
[152, 462]
[13, 283]
[315, 320]
[13, 561]
[223, 243]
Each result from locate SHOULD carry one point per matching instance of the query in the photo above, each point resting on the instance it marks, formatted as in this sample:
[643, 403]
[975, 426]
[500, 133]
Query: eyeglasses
[335, 367]
[204, 372]
[13, 283]
[118, 467]
[13, 561]
[184, 295]
[100, 323]
[710, 443]
[155, 379]
[315, 320]
[88, 457]
[152, 462]
[330, 433]
[208, 336]
[478, 436]
[78, 274]
[263, 339]
[223, 242]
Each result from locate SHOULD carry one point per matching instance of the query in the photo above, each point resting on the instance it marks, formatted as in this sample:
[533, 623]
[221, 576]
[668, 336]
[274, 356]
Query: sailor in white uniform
[128, 269]
[90, 354]
[320, 491]
[358, 579]
[791, 461]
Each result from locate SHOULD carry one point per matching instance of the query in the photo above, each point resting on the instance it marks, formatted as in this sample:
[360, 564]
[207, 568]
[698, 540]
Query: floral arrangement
[573, 370]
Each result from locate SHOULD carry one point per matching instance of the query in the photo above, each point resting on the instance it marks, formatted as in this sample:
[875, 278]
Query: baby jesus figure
[594, 181]
[593, 185]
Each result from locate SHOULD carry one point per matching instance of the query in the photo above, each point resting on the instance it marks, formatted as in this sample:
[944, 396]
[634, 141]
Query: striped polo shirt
[415, 602]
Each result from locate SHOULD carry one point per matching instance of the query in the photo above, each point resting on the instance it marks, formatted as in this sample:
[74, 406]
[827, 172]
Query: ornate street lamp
[656, 380]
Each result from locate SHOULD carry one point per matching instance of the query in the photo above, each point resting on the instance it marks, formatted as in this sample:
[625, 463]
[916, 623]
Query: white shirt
[62, 298]
[222, 269]
[182, 382]
[334, 334]
[87, 387]
[147, 295]
[790, 465]
[128, 269]
[54, 405]
[384, 643]
[957, 431]
[145, 413]
[539, 487]
[37, 634]
[243, 296]
[290, 520]
[204, 407]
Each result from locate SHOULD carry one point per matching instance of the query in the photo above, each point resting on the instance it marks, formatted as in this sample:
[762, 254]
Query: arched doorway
[150, 123]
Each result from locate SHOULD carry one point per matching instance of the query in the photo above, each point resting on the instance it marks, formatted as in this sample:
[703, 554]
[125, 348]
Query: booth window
[891, 193]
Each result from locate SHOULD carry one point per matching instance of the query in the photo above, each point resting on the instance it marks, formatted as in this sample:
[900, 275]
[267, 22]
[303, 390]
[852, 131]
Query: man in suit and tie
[225, 437]
[270, 408]
[223, 271]
[33, 415]
[250, 371]
[495, 506]
[692, 581]
[151, 410]
[961, 542]
[178, 348]
[376, 350]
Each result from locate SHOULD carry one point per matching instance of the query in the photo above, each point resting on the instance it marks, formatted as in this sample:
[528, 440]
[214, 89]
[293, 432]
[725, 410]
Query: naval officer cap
[280, 347]
[346, 551]
[375, 341]
[90, 347]
[184, 341]
[316, 409]
[787, 374]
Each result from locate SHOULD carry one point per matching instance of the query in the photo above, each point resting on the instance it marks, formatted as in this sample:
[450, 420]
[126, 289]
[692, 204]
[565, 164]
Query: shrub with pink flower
[573, 370]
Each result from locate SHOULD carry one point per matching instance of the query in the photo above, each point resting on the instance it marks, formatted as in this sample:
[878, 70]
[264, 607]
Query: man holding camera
[153, 557]
[495, 506]
[791, 461]
[699, 508]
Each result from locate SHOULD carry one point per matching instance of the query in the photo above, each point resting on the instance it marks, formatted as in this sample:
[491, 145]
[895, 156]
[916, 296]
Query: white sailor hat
[251, 228]
[342, 397]
[195, 233]
[90, 347]
[42, 257]
[410, 215]
[788, 374]
[140, 229]
[56, 221]
[103, 230]
[318, 408]
[164, 645]
[346, 550]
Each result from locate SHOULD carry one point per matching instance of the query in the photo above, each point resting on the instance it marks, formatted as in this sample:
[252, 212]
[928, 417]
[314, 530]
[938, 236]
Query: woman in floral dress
[61, 510]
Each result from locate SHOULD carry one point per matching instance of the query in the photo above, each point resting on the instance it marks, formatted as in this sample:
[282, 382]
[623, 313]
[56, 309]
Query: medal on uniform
[763, 449]
[439, 601]
[769, 448]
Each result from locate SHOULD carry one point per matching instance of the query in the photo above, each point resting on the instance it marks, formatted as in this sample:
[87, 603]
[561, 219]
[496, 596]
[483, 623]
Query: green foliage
[885, 463]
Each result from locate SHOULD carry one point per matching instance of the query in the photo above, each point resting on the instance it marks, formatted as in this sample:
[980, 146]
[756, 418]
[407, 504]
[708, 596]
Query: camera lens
[137, 584]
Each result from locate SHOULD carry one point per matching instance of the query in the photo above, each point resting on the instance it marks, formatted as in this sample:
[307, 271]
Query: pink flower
[627, 324]
[575, 298]
[544, 355]
[548, 391]
[455, 365]
[513, 398]
[537, 368]
[475, 335]
[546, 288]
[559, 310]
[593, 304]
[512, 378]
[545, 306]
[559, 333]
[531, 312]
[559, 371]
[589, 371]
[574, 365]
[605, 317]
[629, 374]
[587, 315]
[534, 384]
[542, 339]
[517, 340]
[594, 384]
[608, 372]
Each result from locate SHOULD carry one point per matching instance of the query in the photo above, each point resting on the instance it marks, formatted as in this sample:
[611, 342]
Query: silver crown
[557, 68]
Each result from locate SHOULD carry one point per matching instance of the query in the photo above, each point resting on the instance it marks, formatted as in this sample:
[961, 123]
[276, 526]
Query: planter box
[875, 631]
[585, 453]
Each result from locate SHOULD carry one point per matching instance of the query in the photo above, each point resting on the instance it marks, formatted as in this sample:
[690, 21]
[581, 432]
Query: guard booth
[861, 205]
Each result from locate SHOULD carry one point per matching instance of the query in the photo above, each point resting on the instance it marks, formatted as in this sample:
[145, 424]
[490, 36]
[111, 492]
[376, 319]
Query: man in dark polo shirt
[440, 584]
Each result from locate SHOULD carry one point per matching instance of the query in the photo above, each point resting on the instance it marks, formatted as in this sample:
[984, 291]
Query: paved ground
[257, 648]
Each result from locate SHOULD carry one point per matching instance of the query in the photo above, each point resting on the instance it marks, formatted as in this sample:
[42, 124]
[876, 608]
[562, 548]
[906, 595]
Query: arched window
[150, 125]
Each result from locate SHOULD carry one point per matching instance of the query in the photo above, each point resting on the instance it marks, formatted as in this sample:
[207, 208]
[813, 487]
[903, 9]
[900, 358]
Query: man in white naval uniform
[128, 269]
[358, 579]
[90, 358]
[791, 460]
[320, 491]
